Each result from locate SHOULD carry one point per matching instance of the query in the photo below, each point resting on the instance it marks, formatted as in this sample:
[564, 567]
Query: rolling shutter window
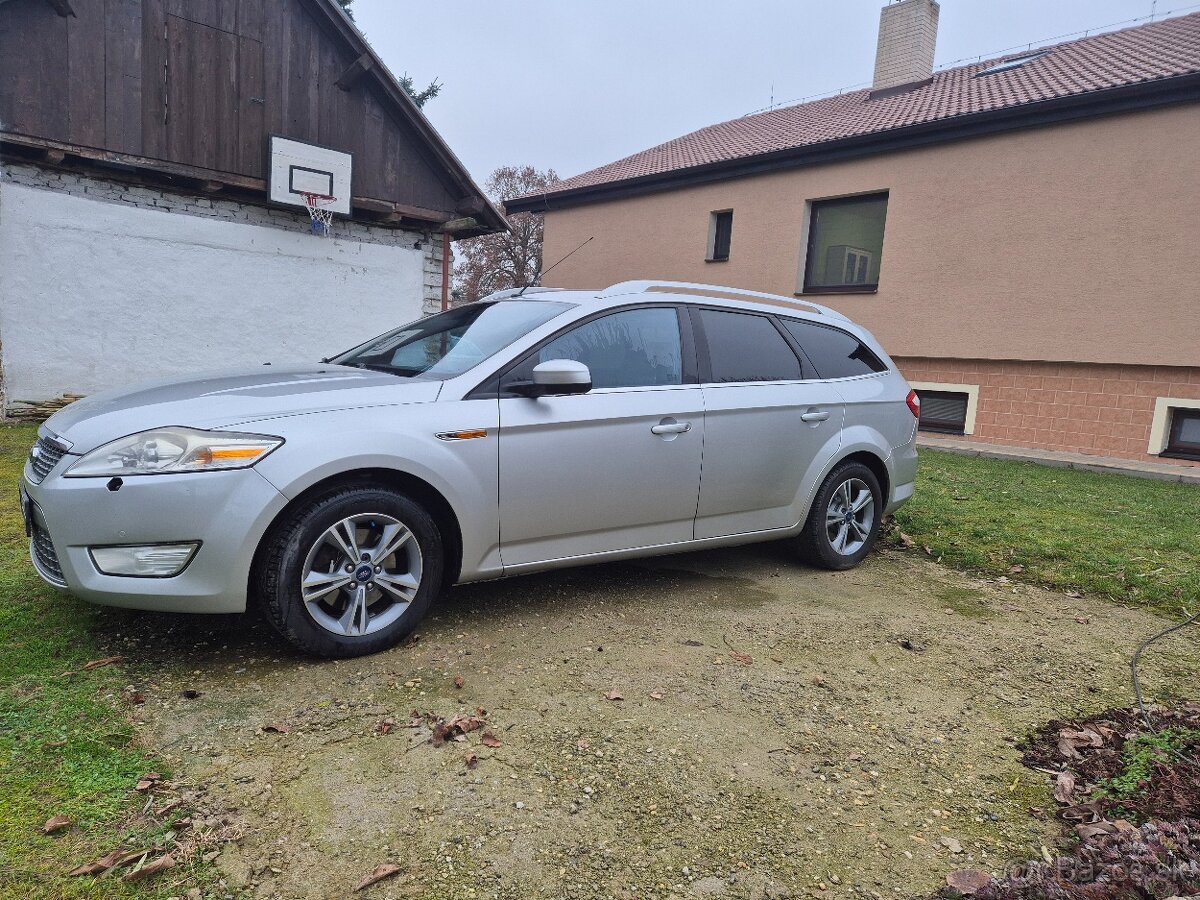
[1184, 440]
[944, 411]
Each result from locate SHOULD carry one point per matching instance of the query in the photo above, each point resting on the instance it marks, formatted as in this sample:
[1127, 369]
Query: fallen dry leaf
[382, 871]
[968, 881]
[455, 729]
[385, 726]
[161, 864]
[614, 694]
[907, 541]
[744, 658]
[1017, 569]
[1082, 620]
[167, 807]
[98, 866]
[1064, 786]
[458, 681]
[99, 663]
[147, 781]
[56, 824]
[276, 729]
[1087, 832]
[473, 760]
[490, 740]
[656, 695]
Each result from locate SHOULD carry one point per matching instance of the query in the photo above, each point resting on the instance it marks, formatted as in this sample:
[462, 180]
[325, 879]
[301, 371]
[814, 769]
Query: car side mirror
[555, 378]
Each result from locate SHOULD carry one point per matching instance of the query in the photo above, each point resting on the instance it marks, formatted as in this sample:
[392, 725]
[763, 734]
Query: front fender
[464, 472]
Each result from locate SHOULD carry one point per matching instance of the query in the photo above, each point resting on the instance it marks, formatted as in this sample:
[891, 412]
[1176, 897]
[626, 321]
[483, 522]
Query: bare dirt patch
[782, 732]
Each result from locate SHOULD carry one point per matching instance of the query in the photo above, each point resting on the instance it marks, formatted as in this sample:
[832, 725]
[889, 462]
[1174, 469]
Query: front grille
[43, 458]
[44, 556]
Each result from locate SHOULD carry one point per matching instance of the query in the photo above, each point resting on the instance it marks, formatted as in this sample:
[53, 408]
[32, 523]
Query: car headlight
[169, 450]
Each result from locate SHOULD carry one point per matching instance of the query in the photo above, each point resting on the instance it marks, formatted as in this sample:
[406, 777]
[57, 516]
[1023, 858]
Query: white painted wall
[95, 294]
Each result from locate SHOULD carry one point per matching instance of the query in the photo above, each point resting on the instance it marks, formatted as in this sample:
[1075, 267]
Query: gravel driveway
[783, 731]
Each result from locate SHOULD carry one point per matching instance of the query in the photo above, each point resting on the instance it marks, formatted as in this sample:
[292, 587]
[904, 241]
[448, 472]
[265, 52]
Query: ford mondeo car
[528, 431]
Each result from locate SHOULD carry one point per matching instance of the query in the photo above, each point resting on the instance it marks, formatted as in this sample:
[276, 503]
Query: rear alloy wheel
[844, 519]
[351, 573]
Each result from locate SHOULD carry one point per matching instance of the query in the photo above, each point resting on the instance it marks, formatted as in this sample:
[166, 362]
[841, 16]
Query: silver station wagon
[524, 432]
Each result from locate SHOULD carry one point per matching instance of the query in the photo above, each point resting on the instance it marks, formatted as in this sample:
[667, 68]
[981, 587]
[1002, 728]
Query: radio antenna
[538, 277]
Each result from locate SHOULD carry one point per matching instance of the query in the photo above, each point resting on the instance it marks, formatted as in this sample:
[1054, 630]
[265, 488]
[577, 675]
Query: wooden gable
[196, 87]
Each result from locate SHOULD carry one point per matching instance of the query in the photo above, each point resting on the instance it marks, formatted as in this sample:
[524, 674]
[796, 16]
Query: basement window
[1014, 63]
[720, 235]
[1184, 439]
[944, 412]
[845, 243]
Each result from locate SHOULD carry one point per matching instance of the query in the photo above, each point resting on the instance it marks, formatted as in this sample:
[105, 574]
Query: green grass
[1126, 539]
[66, 745]
[1140, 754]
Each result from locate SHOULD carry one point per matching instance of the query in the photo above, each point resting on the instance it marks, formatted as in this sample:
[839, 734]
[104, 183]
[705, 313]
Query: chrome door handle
[815, 416]
[673, 428]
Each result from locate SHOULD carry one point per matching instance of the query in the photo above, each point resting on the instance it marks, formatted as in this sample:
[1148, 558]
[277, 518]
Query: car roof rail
[716, 290]
[509, 293]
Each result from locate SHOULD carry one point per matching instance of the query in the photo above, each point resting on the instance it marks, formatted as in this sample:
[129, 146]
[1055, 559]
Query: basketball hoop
[322, 216]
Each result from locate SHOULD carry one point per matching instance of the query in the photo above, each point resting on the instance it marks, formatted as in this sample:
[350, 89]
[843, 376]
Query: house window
[845, 243]
[720, 234]
[943, 411]
[1183, 440]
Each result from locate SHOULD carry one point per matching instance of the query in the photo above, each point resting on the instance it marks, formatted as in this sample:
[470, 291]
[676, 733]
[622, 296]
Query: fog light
[146, 561]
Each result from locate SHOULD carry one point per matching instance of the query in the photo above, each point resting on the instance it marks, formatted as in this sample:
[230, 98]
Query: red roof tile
[1134, 55]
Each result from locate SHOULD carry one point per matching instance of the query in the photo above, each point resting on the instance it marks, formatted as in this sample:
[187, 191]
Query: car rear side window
[747, 347]
[835, 353]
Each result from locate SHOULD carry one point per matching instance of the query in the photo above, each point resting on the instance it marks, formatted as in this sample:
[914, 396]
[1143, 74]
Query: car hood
[229, 400]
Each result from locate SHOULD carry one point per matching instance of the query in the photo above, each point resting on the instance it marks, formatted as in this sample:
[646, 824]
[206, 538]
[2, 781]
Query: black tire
[296, 541]
[817, 547]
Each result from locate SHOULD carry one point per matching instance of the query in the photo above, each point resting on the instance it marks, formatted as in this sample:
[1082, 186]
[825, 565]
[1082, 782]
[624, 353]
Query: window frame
[714, 234]
[810, 233]
[971, 390]
[489, 388]
[1175, 448]
[704, 362]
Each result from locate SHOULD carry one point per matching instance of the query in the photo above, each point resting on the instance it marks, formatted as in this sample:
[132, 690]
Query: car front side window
[632, 348]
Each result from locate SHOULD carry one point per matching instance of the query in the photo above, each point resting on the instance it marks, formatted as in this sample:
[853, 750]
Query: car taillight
[914, 403]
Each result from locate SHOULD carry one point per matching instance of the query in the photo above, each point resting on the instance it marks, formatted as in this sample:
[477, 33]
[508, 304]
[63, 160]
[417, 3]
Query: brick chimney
[907, 37]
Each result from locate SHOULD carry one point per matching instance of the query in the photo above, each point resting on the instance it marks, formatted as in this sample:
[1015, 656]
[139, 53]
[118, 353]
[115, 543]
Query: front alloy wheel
[350, 572]
[361, 574]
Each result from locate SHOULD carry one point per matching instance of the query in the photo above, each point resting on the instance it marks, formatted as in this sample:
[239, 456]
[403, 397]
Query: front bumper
[227, 512]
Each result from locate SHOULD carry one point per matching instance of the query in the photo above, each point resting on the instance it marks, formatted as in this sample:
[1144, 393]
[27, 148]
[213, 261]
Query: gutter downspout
[445, 270]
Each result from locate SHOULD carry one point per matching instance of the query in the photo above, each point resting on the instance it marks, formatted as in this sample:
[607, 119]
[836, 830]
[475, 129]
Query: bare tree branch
[494, 262]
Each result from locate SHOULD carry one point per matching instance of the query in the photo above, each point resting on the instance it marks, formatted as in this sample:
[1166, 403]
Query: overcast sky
[574, 84]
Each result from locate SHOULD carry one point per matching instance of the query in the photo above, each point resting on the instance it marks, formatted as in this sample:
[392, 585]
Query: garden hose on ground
[1133, 663]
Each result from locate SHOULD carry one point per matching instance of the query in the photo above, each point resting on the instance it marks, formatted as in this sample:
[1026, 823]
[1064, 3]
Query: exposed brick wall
[215, 207]
[1100, 409]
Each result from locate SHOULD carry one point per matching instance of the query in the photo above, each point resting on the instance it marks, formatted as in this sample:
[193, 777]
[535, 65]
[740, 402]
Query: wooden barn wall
[204, 83]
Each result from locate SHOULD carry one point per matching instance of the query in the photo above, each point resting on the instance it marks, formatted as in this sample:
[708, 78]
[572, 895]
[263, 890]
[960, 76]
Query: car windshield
[452, 342]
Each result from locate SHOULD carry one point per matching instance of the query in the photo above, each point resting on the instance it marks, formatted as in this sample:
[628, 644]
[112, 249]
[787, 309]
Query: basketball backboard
[297, 169]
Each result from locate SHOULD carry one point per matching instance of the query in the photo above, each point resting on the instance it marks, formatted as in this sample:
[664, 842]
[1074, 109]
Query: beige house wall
[1073, 243]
